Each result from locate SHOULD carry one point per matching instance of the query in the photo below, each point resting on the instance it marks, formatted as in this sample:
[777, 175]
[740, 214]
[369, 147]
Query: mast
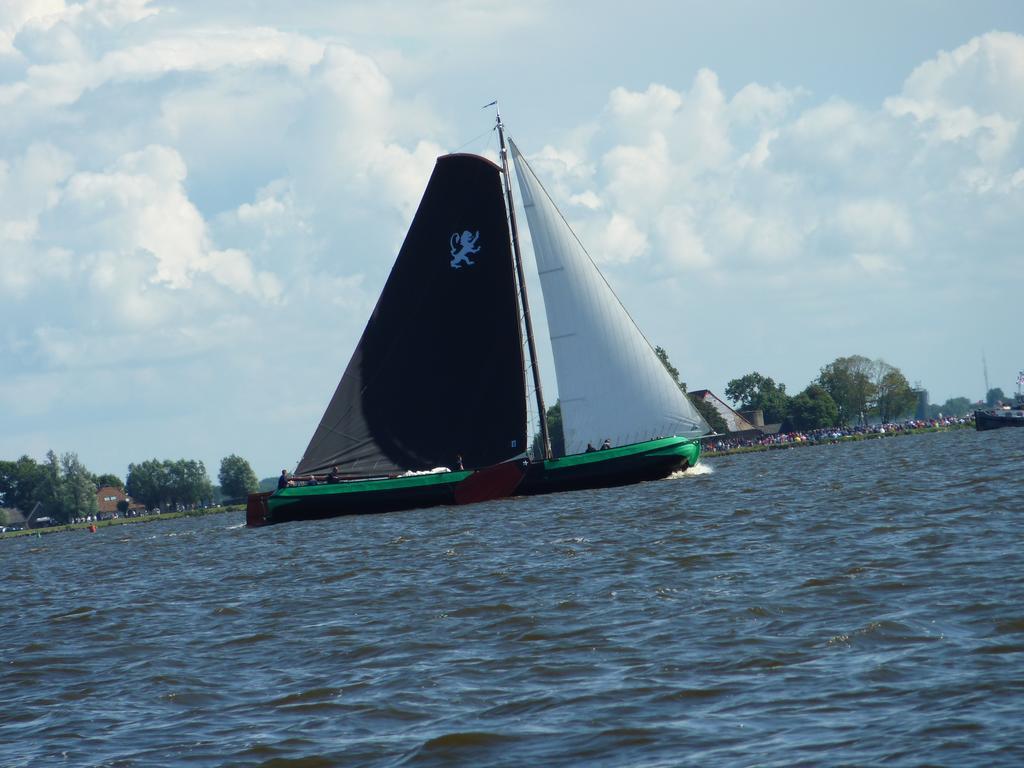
[518, 259]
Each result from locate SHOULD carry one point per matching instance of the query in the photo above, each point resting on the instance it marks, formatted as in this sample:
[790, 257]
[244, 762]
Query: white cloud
[110, 253]
[680, 244]
[64, 81]
[760, 153]
[973, 94]
[875, 264]
[139, 204]
[28, 182]
[23, 268]
[622, 241]
[874, 225]
[987, 73]
[16, 14]
[587, 199]
[752, 180]
[29, 185]
[748, 239]
[843, 140]
[564, 171]
[758, 104]
[702, 137]
[638, 177]
[653, 110]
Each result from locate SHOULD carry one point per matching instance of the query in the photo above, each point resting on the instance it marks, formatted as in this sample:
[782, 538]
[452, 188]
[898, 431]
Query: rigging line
[480, 135]
[471, 141]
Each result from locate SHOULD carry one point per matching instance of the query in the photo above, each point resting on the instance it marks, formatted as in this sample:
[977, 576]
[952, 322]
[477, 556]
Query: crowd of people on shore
[831, 434]
[113, 515]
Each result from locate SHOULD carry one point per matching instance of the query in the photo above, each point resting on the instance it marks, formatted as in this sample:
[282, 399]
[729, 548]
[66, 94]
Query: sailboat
[432, 407]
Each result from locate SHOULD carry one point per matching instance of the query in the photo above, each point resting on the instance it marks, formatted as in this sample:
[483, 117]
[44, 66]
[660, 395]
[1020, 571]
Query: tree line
[65, 490]
[848, 390]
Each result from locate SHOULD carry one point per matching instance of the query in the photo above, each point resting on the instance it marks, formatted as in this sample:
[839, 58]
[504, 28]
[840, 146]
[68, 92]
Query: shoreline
[705, 456]
[833, 440]
[67, 527]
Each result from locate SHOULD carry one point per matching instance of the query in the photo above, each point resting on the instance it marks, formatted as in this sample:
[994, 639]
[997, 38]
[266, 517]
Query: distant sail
[438, 371]
[611, 383]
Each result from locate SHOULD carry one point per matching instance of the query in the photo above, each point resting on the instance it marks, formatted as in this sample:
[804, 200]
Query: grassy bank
[125, 521]
[833, 440]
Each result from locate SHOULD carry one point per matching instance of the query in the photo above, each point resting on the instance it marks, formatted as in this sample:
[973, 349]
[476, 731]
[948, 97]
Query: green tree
[189, 483]
[894, 397]
[108, 479]
[169, 483]
[994, 396]
[49, 491]
[20, 482]
[954, 406]
[672, 370]
[744, 390]
[77, 489]
[236, 477]
[775, 405]
[62, 485]
[704, 408]
[555, 431]
[755, 391]
[850, 383]
[710, 414]
[813, 408]
[148, 482]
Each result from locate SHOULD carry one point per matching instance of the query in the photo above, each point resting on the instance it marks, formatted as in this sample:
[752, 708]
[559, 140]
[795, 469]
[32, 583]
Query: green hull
[650, 460]
[312, 502]
[635, 463]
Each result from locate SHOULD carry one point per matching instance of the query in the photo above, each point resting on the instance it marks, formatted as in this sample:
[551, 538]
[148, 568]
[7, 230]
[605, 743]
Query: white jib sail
[611, 384]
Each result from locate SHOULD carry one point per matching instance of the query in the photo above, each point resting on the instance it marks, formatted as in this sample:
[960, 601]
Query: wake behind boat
[438, 379]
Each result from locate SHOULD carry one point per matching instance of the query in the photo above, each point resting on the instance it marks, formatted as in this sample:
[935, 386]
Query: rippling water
[849, 604]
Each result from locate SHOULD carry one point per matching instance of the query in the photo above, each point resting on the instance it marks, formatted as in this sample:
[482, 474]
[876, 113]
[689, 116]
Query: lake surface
[850, 604]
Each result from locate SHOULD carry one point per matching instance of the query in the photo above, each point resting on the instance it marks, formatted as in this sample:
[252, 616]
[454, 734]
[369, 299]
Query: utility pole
[984, 368]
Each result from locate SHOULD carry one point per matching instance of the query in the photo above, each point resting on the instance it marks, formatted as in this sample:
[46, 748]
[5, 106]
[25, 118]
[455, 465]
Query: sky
[200, 201]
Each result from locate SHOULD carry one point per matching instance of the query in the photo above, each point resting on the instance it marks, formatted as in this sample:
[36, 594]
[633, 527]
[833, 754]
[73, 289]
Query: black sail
[438, 371]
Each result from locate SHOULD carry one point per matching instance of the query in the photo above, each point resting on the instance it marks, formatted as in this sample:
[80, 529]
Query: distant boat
[1000, 416]
[432, 407]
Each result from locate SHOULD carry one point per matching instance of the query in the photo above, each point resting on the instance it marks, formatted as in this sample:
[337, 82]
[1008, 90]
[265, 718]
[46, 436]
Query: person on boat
[606, 444]
[458, 462]
[335, 476]
[590, 448]
[282, 481]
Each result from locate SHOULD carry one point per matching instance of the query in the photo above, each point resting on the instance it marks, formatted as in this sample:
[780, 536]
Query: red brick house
[108, 496]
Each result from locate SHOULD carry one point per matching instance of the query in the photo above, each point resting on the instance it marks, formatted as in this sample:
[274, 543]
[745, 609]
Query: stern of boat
[257, 512]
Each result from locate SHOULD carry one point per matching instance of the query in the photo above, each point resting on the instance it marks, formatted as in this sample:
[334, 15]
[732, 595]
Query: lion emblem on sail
[463, 245]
